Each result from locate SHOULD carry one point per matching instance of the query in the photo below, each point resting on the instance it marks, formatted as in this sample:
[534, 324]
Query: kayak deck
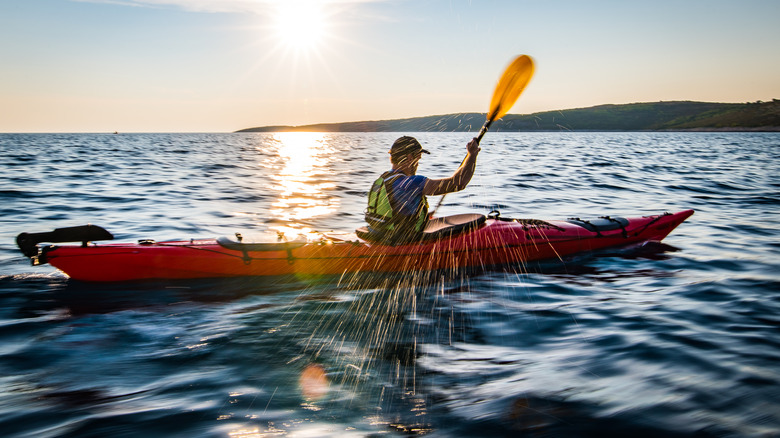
[497, 241]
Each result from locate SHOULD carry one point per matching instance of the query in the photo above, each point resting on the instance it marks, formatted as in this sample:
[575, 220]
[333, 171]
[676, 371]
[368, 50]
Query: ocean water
[673, 339]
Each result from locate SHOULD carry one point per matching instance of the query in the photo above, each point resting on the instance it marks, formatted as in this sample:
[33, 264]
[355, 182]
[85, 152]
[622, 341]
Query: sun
[300, 24]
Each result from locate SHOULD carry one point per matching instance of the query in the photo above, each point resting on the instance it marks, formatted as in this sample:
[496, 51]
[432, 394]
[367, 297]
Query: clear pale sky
[223, 65]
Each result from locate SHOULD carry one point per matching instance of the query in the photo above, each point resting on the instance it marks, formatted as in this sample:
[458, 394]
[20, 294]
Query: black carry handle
[28, 242]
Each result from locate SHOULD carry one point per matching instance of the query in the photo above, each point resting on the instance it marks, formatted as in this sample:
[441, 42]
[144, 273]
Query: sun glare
[300, 24]
[303, 192]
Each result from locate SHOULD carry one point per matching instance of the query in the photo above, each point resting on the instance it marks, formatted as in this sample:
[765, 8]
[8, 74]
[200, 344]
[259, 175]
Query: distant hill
[658, 116]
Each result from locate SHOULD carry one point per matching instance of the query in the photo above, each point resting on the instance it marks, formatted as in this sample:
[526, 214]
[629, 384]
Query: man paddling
[397, 204]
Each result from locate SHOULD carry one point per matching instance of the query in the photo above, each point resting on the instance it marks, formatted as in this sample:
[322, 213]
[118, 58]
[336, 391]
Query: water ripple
[672, 339]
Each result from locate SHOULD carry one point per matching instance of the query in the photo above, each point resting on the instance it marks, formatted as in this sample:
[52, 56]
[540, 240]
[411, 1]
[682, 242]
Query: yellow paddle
[508, 90]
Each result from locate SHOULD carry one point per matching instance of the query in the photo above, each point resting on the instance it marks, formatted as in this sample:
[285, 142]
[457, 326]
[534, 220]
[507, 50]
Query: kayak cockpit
[436, 229]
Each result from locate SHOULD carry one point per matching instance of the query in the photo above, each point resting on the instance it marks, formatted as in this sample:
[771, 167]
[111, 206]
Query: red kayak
[451, 243]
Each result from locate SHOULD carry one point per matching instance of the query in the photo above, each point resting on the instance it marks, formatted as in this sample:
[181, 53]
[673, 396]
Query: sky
[224, 65]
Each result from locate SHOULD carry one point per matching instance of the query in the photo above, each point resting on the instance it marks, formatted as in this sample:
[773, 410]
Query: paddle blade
[510, 85]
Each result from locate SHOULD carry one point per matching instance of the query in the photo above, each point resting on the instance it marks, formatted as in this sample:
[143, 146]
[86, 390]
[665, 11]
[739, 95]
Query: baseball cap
[406, 145]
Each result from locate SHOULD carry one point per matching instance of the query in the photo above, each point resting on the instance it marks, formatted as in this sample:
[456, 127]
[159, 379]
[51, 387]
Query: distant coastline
[656, 116]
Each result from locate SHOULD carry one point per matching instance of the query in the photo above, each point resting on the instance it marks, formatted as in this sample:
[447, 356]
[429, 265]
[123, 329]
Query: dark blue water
[681, 339]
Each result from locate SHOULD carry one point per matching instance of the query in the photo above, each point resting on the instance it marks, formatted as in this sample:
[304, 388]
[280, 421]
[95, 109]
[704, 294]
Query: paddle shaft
[481, 134]
[484, 130]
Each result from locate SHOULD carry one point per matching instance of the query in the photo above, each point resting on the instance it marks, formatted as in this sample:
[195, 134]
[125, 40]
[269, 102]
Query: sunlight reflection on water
[303, 181]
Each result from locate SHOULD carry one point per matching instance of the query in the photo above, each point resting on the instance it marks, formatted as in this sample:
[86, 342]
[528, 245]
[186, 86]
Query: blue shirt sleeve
[408, 192]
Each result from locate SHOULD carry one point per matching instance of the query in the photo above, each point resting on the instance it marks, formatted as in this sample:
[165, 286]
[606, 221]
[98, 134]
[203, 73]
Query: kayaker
[397, 204]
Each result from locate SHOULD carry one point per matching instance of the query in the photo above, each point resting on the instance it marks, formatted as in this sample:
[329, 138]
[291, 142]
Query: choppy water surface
[679, 339]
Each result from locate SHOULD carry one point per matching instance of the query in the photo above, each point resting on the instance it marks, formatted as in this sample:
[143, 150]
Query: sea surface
[673, 339]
